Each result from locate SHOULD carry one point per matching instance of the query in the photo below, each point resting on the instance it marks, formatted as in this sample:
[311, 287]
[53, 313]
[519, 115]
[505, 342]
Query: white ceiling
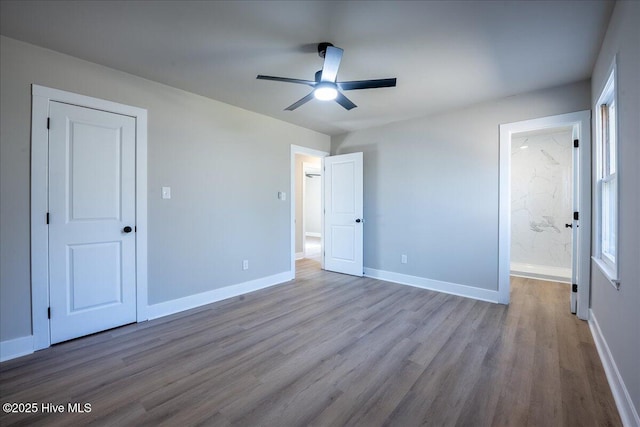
[445, 54]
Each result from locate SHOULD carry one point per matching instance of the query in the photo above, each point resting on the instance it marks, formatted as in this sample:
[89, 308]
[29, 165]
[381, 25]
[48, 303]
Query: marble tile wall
[541, 194]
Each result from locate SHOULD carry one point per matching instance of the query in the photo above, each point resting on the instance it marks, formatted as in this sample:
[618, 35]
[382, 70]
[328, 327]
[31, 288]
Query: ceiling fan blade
[332, 58]
[344, 101]
[300, 102]
[367, 84]
[286, 80]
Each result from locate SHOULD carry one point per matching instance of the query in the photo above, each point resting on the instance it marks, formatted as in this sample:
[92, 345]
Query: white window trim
[605, 264]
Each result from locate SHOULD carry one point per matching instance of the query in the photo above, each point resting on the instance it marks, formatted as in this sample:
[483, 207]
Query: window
[607, 181]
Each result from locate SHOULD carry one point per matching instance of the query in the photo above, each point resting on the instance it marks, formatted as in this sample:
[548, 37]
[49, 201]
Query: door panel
[91, 199]
[343, 239]
[343, 214]
[92, 284]
[94, 169]
[343, 195]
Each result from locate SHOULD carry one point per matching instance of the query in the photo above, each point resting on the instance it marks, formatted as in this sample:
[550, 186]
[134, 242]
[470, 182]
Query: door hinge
[47, 218]
[48, 312]
[135, 228]
[576, 216]
[48, 122]
[574, 288]
[576, 143]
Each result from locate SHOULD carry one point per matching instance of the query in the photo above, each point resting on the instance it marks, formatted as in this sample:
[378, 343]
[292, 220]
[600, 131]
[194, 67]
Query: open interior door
[574, 229]
[343, 221]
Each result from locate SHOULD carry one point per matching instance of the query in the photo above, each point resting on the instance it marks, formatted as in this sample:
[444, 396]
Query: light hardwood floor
[330, 350]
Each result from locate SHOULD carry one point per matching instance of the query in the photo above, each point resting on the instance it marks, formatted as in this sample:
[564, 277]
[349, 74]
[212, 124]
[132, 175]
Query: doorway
[306, 204]
[542, 204]
[311, 204]
[308, 218]
[47, 104]
[578, 124]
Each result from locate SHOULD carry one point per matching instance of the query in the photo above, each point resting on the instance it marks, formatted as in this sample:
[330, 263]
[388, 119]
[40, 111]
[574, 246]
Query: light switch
[166, 192]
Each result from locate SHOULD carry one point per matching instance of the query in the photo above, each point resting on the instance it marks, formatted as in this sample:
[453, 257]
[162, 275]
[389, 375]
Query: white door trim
[296, 149]
[41, 96]
[581, 124]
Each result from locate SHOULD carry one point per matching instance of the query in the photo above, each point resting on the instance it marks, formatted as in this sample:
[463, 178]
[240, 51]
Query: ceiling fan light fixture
[325, 85]
[325, 92]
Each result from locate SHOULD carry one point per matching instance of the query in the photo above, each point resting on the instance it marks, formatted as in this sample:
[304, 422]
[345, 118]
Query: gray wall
[618, 312]
[431, 186]
[224, 165]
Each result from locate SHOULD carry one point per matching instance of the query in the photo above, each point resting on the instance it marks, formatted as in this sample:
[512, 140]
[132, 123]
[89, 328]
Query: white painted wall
[224, 165]
[431, 186]
[541, 197]
[618, 311]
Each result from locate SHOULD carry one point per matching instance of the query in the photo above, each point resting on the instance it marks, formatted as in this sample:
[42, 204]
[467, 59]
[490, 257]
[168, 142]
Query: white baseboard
[299, 255]
[192, 301]
[433, 285]
[544, 272]
[312, 234]
[628, 412]
[10, 349]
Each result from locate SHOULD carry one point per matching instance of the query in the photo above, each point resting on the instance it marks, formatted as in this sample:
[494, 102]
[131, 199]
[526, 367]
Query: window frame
[606, 176]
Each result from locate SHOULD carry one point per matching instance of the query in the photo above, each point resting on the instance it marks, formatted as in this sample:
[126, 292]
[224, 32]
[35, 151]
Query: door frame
[41, 97]
[580, 122]
[297, 149]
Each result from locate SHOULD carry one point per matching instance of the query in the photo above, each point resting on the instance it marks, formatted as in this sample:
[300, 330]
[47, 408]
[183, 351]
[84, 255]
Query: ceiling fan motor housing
[322, 48]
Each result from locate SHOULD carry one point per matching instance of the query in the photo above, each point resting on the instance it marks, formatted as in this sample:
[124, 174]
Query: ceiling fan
[325, 87]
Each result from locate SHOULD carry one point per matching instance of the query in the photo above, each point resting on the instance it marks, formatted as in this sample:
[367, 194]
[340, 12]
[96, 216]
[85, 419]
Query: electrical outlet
[245, 264]
[403, 259]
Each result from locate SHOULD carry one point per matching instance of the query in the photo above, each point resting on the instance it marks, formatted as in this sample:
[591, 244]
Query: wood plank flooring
[330, 350]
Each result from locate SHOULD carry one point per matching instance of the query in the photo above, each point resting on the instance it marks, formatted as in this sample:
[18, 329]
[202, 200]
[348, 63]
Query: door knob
[127, 229]
[568, 226]
[358, 220]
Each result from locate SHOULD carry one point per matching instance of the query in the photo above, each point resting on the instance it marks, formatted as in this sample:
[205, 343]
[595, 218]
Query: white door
[575, 256]
[91, 221]
[343, 223]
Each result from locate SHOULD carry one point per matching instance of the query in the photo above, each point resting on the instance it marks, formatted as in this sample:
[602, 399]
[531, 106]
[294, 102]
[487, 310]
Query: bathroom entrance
[545, 197]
